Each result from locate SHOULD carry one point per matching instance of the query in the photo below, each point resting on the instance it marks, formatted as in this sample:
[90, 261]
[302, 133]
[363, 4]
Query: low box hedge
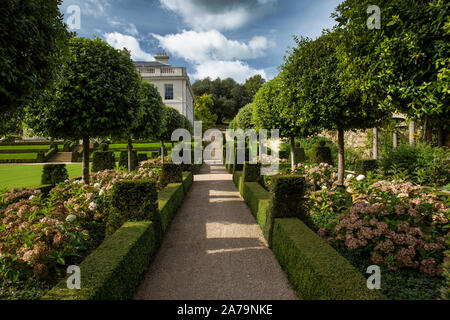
[258, 200]
[314, 268]
[188, 180]
[103, 160]
[237, 179]
[171, 173]
[115, 268]
[52, 174]
[169, 200]
[123, 159]
[251, 172]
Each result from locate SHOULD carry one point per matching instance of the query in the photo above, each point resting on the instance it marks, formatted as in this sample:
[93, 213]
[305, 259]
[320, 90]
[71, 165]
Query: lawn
[16, 176]
[140, 145]
[28, 147]
[18, 156]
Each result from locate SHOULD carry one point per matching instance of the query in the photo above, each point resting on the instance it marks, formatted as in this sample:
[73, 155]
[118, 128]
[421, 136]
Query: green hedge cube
[54, 174]
[287, 196]
[252, 172]
[103, 160]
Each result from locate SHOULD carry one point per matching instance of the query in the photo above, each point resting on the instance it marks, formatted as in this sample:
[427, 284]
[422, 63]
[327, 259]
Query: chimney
[162, 57]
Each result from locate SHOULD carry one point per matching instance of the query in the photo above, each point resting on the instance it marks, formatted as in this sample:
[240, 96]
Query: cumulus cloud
[120, 41]
[238, 70]
[196, 46]
[218, 14]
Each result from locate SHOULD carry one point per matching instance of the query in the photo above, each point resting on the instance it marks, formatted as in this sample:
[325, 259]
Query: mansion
[173, 84]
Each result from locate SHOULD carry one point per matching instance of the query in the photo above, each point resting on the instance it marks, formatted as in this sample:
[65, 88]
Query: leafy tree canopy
[244, 117]
[172, 120]
[33, 42]
[203, 106]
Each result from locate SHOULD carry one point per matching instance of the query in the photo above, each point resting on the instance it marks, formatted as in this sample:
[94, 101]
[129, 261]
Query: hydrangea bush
[38, 235]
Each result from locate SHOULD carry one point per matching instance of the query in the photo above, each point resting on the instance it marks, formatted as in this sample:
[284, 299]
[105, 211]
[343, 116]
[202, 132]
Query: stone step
[61, 157]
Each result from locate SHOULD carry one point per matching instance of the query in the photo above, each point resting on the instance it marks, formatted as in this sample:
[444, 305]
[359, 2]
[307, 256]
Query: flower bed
[40, 236]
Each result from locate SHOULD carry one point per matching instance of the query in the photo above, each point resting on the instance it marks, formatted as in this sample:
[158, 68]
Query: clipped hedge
[171, 173]
[123, 159]
[300, 155]
[314, 268]
[115, 268]
[52, 174]
[169, 200]
[258, 200]
[321, 154]
[188, 180]
[142, 157]
[287, 196]
[76, 156]
[365, 165]
[103, 160]
[132, 200]
[252, 172]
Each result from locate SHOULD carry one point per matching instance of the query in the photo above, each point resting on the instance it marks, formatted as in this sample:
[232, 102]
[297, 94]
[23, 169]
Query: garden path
[214, 249]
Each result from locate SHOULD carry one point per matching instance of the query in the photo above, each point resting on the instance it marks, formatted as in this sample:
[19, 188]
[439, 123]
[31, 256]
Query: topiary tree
[313, 76]
[148, 121]
[97, 96]
[33, 42]
[273, 109]
[405, 64]
[244, 117]
[172, 121]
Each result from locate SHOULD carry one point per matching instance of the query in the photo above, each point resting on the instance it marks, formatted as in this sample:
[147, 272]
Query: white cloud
[238, 70]
[120, 41]
[218, 14]
[132, 30]
[196, 46]
[95, 8]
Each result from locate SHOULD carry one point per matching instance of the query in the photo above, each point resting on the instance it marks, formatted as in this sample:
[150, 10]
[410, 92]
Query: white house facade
[173, 84]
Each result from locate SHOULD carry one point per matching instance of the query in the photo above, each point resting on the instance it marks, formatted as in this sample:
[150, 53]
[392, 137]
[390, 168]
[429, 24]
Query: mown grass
[18, 176]
[4, 156]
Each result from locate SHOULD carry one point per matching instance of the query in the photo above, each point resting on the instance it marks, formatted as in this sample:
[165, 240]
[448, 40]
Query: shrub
[321, 154]
[316, 270]
[76, 157]
[283, 154]
[171, 173]
[123, 161]
[445, 290]
[422, 164]
[300, 155]
[252, 172]
[115, 269]
[133, 200]
[104, 147]
[325, 206]
[142, 157]
[169, 200]
[103, 160]
[54, 174]
[41, 156]
[365, 165]
[287, 194]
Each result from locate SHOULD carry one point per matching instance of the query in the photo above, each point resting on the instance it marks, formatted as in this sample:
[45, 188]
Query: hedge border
[117, 266]
[314, 268]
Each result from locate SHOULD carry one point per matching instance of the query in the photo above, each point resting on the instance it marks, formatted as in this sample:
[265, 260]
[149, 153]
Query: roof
[150, 64]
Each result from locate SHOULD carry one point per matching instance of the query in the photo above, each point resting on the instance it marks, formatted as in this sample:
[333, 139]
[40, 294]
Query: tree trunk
[375, 143]
[412, 133]
[341, 159]
[86, 143]
[395, 138]
[163, 151]
[293, 160]
[440, 136]
[428, 132]
[130, 148]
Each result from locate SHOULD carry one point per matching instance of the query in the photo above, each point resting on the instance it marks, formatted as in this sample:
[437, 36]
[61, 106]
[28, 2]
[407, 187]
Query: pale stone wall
[358, 141]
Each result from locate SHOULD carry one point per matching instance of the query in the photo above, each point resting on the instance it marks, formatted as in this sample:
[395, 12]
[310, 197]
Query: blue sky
[215, 38]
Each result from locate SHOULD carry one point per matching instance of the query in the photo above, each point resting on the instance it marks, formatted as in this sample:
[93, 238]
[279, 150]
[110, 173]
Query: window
[168, 92]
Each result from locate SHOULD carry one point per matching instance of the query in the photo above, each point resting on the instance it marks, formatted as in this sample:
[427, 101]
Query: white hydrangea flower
[102, 192]
[360, 177]
[324, 188]
[97, 185]
[71, 218]
[31, 197]
[350, 176]
[92, 206]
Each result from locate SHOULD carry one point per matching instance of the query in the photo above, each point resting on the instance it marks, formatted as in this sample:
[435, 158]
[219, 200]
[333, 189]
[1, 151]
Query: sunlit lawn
[16, 176]
[18, 155]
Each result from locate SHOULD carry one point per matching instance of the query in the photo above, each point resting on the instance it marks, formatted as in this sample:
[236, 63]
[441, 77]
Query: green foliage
[405, 64]
[123, 160]
[244, 117]
[172, 121]
[116, 268]
[365, 165]
[103, 160]
[422, 163]
[33, 41]
[316, 271]
[320, 154]
[228, 96]
[253, 84]
[54, 174]
[142, 157]
[171, 173]
[445, 290]
[287, 196]
[169, 200]
[133, 200]
[251, 172]
[105, 105]
[202, 111]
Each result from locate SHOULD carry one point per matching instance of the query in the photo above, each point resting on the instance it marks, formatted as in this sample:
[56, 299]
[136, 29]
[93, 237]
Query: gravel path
[214, 250]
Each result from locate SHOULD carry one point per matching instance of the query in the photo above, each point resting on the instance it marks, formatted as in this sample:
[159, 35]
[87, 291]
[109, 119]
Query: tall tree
[172, 121]
[148, 120]
[312, 71]
[203, 106]
[404, 64]
[33, 42]
[253, 84]
[273, 109]
[97, 96]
